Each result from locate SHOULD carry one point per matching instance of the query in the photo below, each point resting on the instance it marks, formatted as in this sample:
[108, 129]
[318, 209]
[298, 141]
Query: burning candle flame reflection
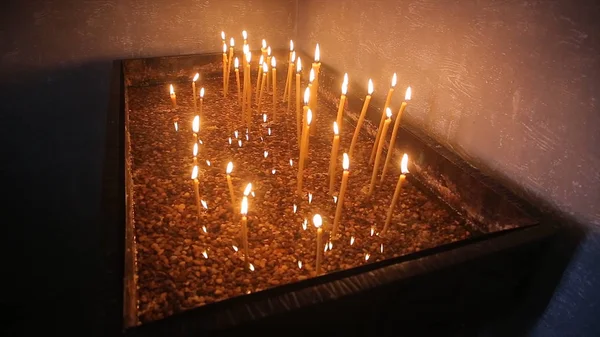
[204, 204]
[235, 248]
[351, 240]
[205, 254]
[404, 164]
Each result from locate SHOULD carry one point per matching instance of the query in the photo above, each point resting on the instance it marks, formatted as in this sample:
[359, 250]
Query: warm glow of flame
[317, 220]
[240, 143]
[269, 131]
[351, 240]
[265, 67]
[251, 266]
[308, 117]
[367, 256]
[224, 48]
[200, 141]
[293, 56]
[264, 118]
[291, 45]
[325, 249]
[381, 248]
[261, 60]
[196, 77]
[176, 126]
[244, 34]
[229, 168]
[345, 85]
[204, 229]
[305, 224]
[295, 208]
[335, 199]
[235, 133]
[264, 44]
[171, 90]
[196, 124]
[231, 42]
[408, 94]
[310, 196]
[372, 231]
[235, 248]
[388, 112]
[229, 140]
[300, 264]
[195, 150]
[273, 62]
[195, 172]
[306, 96]
[248, 189]
[311, 75]
[346, 162]
[269, 51]
[370, 91]
[245, 49]
[336, 130]
[317, 54]
[207, 162]
[236, 63]
[273, 171]
[404, 164]
[249, 57]
[205, 254]
[223, 35]
[202, 92]
[291, 163]
[204, 204]
[394, 80]
[266, 154]
[244, 209]
[299, 65]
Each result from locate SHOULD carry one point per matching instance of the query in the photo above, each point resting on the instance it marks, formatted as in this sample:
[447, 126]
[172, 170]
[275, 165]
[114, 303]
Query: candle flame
[317, 54]
[200, 141]
[335, 199]
[336, 130]
[195, 150]
[404, 164]
[202, 92]
[273, 171]
[325, 248]
[346, 162]
[229, 168]
[351, 240]
[231, 42]
[247, 137]
[388, 112]
[370, 91]
[253, 194]
[261, 60]
[251, 266]
[311, 75]
[171, 90]
[235, 248]
[249, 56]
[245, 49]
[372, 231]
[248, 189]
[310, 196]
[305, 224]
[273, 62]
[196, 77]
[240, 143]
[299, 264]
[317, 220]
[394, 80]
[308, 117]
[204, 204]
[299, 65]
[196, 124]
[204, 229]
[291, 163]
[205, 254]
[236, 63]
[264, 44]
[224, 48]
[235, 133]
[207, 162]
[266, 154]
[367, 256]
[264, 118]
[244, 34]
[293, 56]
[223, 35]
[176, 126]
[381, 248]
[229, 140]
[195, 172]
[330, 245]
[244, 209]
[306, 96]
[269, 51]
[265, 67]
[269, 131]
[408, 94]
[291, 45]
[345, 85]
[295, 208]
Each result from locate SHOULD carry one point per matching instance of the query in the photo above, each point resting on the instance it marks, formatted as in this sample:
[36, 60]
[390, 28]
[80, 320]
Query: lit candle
[304, 111]
[231, 44]
[259, 75]
[334, 152]
[229, 183]
[262, 85]
[194, 91]
[303, 150]
[388, 158]
[404, 170]
[316, 66]
[361, 118]
[288, 96]
[288, 80]
[318, 222]
[236, 63]
[298, 112]
[173, 96]
[223, 36]
[196, 188]
[383, 116]
[245, 36]
[195, 154]
[274, 70]
[311, 86]
[340, 112]
[263, 48]
[340, 202]
[249, 94]
[196, 127]
[245, 93]
[307, 108]
[244, 212]
[268, 62]
[224, 69]
[386, 125]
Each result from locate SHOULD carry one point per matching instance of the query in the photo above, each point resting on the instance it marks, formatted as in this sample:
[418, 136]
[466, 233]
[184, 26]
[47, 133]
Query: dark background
[512, 86]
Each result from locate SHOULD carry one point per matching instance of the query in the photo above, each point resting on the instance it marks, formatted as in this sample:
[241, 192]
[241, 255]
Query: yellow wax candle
[245, 37]
[316, 66]
[229, 62]
[195, 154]
[298, 113]
[249, 94]
[224, 69]
[385, 106]
[288, 80]
[236, 63]
[311, 86]
[194, 91]
[303, 150]
[386, 125]
[333, 160]
[263, 49]
[244, 212]
[274, 71]
[388, 158]
[262, 85]
[196, 127]
[196, 189]
[318, 222]
[404, 170]
[340, 112]
[304, 112]
[223, 36]
[259, 75]
[173, 96]
[288, 96]
[268, 62]
[361, 118]
[201, 101]
[229, 183]
[340, 200]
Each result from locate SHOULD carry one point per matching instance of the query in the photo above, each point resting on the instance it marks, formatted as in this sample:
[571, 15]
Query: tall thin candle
[386, 125]
[196, 127]
[288, 96]
[388, 158]
[249, 95]
[340, 200]
[230, 61]
[317, 68]
[298, 112]
[259, 74]
[303, 150]
[228, 171]
[340, 112]
[173, 96]
[274, 71]
[224, 69]
[318, 222]
[288, 80]
[361, 118]
[385, 106]
[244, 212]
[196, 189]
[194, 91]
[201, 101]
[265, 71]
[404, 170]
[333, 160]
[236, 63]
